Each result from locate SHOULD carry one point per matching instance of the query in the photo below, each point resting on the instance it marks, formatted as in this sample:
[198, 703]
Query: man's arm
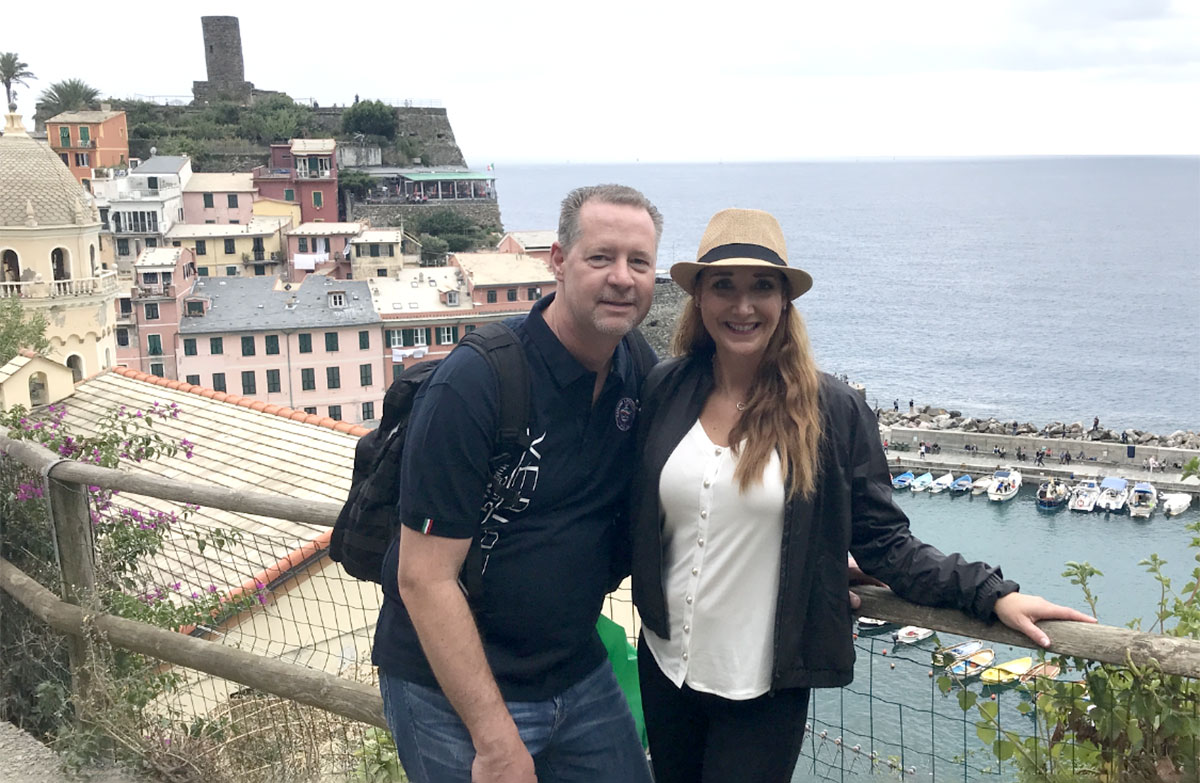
[428, 579]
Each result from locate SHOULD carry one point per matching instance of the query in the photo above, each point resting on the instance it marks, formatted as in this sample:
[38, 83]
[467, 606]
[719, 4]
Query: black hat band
[741, 250]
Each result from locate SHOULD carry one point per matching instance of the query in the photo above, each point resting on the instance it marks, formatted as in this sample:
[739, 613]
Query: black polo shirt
[548, 553]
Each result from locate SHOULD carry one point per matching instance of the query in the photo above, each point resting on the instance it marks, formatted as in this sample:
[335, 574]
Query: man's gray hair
[623, 195]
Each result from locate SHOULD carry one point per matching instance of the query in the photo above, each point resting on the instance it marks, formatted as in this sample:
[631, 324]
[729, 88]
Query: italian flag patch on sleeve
[427, 526]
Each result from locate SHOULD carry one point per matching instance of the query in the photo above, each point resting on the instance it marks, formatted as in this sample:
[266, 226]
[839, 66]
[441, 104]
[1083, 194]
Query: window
[248, 384]
[66, 158]
[333, 377]
[337, 299]
[364, 374]
[156, 369]
[381, 272]
[122, 247]
[271, 341]
[231, 271]
[512, 294]
[308, 379]
[231, 200]
[272, 381]
[166, 278]
[208, 201]
[219, 381]
[230, 247]
[468, 328]
[216, 345]
[318, 199]
[335, 412]
[364, 340]
[85, 134]
[194, 380]
[452, 298]
[123, 337]
[397, 369]
[195, 307]
[260, 270]
[368, 411]
[447, 335]
[289, 194]
[154, 344]
[151, 311]
[201, 247]
[202, 271]
[151, 241]
[189, 346]
[64, 136]
[235, 222]
[533, 293]
[302, 244]
[374, 250]
[331, 342]
[248, 345]
[312, 410]
[305, 342]
[82, 159]
[491, 297]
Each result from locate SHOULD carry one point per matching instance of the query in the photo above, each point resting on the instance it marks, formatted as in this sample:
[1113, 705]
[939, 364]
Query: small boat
[981, 485]
[1052, 494]
[1008, 672]
[1175, 502]
[1044, 669]
[903, 480]
[944, 656]
[974, 664]
[941, 484]
[1005, 483]
[1112, 494]
[911, 634]
[1084, 496]
[870, 625]
[922, 482]
[961, 485]
[1143, 499]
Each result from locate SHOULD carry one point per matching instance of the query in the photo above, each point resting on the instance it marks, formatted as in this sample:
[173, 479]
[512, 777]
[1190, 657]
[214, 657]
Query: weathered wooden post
[71, 521]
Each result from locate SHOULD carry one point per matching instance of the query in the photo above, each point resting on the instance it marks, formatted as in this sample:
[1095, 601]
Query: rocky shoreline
[669, 299]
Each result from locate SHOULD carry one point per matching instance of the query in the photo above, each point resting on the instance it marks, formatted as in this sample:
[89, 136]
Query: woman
[759, 475]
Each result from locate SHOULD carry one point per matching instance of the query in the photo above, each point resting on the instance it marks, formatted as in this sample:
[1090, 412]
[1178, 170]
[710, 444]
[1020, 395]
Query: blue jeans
[586, 734]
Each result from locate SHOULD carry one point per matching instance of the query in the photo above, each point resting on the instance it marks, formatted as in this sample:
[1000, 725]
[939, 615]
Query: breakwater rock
[928, 417]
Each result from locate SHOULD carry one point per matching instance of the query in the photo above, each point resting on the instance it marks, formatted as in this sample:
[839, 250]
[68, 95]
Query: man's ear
[557, 259]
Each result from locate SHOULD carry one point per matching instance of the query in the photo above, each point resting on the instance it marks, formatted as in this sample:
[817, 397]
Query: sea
[1036, 289]
[1032, 289]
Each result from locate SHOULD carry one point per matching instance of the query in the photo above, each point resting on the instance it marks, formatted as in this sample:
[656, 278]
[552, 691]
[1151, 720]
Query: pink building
[313, 347]
[303, 171]
[219, 198]
[320, 246]
[504, 282]
[531, 243]
[148, 319]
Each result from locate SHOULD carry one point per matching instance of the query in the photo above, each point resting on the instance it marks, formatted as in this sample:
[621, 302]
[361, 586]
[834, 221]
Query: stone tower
[223, 59]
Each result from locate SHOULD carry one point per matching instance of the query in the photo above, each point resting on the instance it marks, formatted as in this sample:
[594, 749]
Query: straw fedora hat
[738, 238]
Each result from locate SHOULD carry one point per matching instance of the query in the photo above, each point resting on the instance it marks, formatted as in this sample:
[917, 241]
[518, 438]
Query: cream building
[50, 252]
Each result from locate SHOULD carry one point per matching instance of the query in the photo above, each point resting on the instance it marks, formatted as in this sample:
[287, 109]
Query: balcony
[154, 291]
[80, 144]
[53, 289]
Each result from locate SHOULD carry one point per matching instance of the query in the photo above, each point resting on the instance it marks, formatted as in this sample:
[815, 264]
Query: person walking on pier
[758, 475]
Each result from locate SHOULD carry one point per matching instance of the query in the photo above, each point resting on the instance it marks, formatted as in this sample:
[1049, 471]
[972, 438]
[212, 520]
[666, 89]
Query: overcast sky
[626, 80]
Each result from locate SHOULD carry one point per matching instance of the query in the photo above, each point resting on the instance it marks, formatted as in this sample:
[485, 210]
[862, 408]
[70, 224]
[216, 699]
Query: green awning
[446, 176]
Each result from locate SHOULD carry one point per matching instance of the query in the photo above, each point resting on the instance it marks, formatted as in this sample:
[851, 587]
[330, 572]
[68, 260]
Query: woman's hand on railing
[1021, 612]
[858, 577]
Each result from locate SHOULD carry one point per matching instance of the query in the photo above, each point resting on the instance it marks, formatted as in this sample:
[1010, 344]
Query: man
[514, 681]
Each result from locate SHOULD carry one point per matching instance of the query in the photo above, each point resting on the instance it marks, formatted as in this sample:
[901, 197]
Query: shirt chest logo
[625, 413]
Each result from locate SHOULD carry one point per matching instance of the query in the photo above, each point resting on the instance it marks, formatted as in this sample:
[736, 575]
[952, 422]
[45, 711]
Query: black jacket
[851, 511]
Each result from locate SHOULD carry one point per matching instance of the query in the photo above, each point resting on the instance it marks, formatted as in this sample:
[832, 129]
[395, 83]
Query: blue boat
[961, 485]
[903, 480]
[1052, 494]
[922, 482]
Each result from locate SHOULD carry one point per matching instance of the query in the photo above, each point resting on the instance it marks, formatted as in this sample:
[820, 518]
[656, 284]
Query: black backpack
[368, 520]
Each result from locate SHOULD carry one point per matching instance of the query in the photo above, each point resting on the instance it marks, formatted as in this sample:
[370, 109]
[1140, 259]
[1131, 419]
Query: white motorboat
[922, 482]
[1113, 493]
[1175, 502]
[1084, 495]
[911, 634]
[1005, 483]
[941, 483]
[1143, 499]
[981, 485]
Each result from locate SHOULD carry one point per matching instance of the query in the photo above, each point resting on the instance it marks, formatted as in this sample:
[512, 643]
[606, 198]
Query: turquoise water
[1032, 547]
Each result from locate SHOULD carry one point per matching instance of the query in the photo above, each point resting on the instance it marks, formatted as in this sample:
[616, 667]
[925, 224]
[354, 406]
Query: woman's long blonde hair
[783, 413]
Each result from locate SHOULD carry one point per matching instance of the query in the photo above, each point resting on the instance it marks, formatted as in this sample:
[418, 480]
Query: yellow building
[252, 249]
[273, 207]
[50, 252]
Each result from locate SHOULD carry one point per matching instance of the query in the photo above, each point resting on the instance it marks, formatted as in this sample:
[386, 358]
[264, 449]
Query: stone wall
[485, 213]
[431, 127]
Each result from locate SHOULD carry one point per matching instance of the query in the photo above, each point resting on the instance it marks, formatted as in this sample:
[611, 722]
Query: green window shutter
[407, 338]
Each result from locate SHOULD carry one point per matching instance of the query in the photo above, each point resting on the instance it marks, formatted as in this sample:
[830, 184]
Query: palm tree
[13, 71]
[68, 95]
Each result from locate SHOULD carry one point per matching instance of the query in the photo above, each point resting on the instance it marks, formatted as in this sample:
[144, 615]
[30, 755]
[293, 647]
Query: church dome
[36, 188]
